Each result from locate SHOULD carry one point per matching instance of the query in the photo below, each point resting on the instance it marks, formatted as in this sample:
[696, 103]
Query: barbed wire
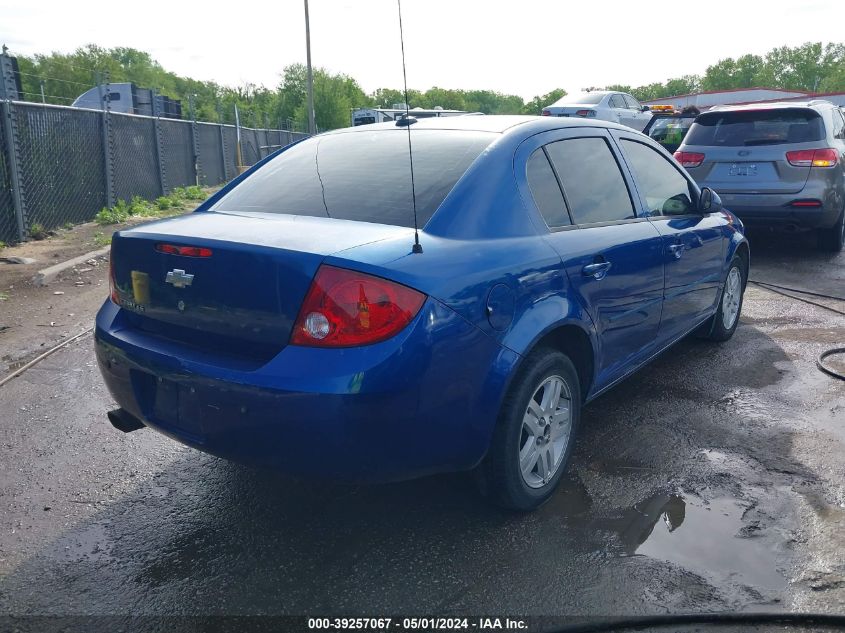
[47, 78]
[46, 96]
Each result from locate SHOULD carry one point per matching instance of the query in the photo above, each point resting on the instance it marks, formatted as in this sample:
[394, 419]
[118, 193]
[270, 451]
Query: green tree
[536, 105]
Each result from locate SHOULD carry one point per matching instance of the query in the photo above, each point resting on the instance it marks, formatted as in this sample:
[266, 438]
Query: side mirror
[709, 201]
[646, 108]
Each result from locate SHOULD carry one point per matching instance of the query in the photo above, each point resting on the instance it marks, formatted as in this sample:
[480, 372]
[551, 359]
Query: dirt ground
[32, 317]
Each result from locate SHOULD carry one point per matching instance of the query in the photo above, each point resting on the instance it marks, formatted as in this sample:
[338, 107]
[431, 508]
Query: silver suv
[778, 165]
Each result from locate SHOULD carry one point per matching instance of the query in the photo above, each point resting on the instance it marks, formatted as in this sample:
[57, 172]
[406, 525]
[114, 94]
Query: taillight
[112, 285]
[689, 159]
[812, 158]
[587, 113]
[546, 113]
[806, 203]
[184, 251]
[345, 308]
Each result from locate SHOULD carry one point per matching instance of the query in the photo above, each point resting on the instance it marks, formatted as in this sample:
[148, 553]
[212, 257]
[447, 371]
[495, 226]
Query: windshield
[584, 98]
[670, 131]
[756, 127]
[362, 176]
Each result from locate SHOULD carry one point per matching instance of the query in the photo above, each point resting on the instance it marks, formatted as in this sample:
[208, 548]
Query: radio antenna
[417, 248]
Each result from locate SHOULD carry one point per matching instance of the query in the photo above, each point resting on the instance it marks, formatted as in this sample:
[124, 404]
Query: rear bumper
[776, 211]
[422, 402]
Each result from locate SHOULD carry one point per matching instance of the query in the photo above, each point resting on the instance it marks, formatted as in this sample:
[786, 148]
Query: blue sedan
[290, 321]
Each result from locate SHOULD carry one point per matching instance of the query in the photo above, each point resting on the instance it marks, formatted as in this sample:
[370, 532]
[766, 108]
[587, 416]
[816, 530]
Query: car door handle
[597, 270]
[677, 250]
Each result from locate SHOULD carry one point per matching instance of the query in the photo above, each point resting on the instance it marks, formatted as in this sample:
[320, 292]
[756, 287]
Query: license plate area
[167, 403]
[743, 169]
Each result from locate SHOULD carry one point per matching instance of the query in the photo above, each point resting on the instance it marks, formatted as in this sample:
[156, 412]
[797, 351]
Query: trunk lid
[240, 300]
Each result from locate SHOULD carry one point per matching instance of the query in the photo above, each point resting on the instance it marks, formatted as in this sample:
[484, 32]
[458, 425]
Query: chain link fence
[60, 164]
[69, 162]
[8, 223]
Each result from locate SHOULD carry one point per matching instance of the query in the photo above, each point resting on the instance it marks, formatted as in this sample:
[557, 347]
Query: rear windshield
[585, 98]
[756, 127]
[362, 176]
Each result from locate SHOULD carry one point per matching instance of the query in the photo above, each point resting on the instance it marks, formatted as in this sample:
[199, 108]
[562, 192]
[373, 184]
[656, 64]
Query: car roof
[810, 103]
[499, 123]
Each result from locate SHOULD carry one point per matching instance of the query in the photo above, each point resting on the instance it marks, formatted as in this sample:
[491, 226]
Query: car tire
[526, 428]
[831, 240]
[722, 325]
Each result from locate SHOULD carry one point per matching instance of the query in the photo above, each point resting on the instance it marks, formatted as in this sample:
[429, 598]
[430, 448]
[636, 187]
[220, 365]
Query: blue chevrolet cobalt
[291, 322]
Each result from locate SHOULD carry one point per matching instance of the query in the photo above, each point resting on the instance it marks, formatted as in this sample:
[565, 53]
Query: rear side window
[756, 127]
[665, 190]
[546, 191]
[592, 183]
[363, 176]
[838, 124]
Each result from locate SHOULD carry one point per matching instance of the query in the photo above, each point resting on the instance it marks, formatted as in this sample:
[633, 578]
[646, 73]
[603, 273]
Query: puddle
[703, 537]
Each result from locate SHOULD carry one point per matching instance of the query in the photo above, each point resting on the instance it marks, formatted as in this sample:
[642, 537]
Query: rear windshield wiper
[765, 141]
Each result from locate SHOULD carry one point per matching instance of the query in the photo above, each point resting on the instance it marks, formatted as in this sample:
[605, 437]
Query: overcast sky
[516, 46]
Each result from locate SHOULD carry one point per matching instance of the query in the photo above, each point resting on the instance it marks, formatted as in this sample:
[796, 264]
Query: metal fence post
[108, 145]
[195, 146]
[162, 177]
[223, 153]
[13, 149]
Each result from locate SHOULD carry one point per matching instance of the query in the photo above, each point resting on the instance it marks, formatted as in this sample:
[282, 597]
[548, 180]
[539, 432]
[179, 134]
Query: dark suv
[779, 165]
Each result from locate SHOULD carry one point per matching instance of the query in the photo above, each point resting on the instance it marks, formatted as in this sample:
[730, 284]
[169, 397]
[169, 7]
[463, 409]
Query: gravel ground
[712, 480]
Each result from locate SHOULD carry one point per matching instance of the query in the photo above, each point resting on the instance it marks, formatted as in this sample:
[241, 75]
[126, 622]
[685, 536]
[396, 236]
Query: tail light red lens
[586, 113]
[806, 203]
[689, 159]
[184, 251]
[345, 308]
[546, 113]
[812, 158]
[112, 285]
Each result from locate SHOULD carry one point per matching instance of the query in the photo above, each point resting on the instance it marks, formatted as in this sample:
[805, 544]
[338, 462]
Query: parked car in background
[778, 165]
[670, 128]
[618, 107]
[289, 323]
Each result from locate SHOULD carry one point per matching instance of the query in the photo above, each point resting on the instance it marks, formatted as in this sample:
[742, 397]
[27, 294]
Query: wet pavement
[712, 480]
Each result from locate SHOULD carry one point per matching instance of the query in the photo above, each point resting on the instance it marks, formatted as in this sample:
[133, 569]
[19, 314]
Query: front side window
[632, 103]
[591, 179]
[545, 190]
[665, 190]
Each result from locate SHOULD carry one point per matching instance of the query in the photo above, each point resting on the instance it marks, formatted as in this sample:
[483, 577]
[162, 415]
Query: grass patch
[4, 296]
[101, 239]
[37, 231]
[163, 206]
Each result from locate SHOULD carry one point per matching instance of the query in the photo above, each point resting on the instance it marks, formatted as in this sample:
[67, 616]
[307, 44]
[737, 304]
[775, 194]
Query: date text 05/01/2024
[417, 624]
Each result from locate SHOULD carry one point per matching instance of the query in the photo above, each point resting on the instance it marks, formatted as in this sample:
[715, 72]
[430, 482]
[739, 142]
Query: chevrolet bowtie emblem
[178, 278]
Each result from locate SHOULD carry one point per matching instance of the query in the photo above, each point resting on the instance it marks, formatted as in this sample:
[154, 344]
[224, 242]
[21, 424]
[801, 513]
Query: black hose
[773, 288]
[716, 619]
[828, 352]
[801, 290]
[825, 368]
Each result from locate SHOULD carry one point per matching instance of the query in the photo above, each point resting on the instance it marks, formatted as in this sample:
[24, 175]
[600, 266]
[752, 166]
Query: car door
[694, 243]
[611, 257]
[620, 111]
[639, 119]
